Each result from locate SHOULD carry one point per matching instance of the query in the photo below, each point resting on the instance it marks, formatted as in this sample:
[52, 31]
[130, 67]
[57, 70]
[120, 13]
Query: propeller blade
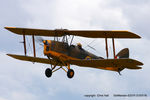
[39, 39]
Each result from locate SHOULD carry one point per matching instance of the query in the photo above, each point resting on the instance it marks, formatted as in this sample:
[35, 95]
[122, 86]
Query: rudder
[124, 53]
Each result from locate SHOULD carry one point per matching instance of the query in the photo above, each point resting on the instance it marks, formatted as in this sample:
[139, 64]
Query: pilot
[79, 45]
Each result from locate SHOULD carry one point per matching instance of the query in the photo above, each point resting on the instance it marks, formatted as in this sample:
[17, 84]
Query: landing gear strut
[70, 72]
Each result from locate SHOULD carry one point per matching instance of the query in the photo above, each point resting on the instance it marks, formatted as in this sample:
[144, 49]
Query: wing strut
[71, 39]
[113, 42]
[33, 45]
[106, 47]
[24, 42]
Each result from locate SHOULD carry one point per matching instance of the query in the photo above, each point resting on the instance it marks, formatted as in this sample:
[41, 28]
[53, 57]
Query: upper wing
[37, 32]
[33, 59]
[103, 34]
[83, 33]
[108, 64]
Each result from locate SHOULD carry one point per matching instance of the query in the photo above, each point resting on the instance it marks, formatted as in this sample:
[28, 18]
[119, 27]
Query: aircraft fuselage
[62, 49]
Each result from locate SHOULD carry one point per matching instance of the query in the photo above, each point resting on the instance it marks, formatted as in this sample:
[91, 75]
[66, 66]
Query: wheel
[48, 72]
[70, 73]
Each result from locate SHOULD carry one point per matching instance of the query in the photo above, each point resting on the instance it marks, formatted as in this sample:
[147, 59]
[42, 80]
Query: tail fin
[124, 53]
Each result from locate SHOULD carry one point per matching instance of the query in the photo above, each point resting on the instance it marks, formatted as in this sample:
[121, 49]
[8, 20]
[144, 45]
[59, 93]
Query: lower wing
[34, 59]
[108, 64]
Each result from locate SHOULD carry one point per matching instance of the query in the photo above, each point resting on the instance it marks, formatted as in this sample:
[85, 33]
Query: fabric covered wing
[104, 34]
[37, 32]
[83, 33]
[33, 59]
[108, 63]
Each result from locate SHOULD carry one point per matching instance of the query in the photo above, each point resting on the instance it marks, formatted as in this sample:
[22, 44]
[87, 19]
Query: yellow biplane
[63, 54]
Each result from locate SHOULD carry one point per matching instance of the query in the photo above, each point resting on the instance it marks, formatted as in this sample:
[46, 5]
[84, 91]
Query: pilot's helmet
[79, 45]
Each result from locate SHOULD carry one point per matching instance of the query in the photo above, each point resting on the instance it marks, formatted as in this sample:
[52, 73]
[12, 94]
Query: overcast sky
[26, 81]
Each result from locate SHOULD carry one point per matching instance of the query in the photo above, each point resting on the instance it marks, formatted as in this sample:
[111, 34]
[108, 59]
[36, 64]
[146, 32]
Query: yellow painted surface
[88, 58]
[109, 68]
[60, 55]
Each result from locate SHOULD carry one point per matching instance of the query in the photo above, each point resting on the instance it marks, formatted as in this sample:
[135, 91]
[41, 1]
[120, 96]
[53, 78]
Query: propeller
[39, 40]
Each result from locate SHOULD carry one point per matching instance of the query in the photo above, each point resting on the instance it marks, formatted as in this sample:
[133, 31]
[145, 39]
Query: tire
[70, 73]
[48, 72]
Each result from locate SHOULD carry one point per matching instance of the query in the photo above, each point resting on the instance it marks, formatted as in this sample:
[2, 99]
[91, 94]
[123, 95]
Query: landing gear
[48, 72]
[70, 73]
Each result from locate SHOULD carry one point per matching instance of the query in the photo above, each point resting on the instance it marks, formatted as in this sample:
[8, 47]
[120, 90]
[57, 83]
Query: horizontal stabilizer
[33, 59]
[133, 67]
[83, 33]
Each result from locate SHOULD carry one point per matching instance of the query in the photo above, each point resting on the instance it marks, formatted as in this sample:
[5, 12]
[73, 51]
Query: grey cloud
[12, 15]
[137, 14]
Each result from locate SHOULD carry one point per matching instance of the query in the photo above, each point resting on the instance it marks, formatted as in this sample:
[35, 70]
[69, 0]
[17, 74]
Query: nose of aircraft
[45, 42]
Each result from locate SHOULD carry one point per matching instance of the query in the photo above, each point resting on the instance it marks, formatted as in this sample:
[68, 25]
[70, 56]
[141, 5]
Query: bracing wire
[89, 45]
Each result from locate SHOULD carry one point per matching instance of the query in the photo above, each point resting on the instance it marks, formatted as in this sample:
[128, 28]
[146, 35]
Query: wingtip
[11, 55]
[136, 35]
[7, 54]
[9, 27]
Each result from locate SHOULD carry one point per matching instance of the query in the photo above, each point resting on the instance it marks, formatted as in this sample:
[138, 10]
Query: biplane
[62, 54]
